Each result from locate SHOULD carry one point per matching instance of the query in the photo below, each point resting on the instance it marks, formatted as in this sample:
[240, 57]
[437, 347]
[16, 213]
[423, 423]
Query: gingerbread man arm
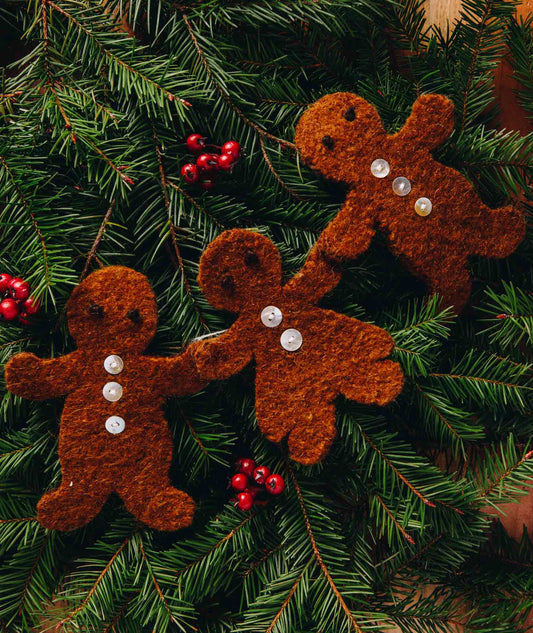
[177, 375]
[430, 123]
[366, 340]
[319, 275]
[349, 234]
[37, 379]
[497, 232]
[226, 355]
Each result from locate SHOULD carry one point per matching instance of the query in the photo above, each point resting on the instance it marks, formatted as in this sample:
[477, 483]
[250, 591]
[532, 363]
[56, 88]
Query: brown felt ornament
[431, 215]
[305, 356]
[113, 436]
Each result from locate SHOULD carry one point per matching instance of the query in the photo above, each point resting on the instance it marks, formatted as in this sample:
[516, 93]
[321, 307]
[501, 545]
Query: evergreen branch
[196, 204]
[414, 557]
[475, 56]
[287, 599]
[391, 516]
[223, 93]
[20, 520]
[318, 556]
[98, 239]
[505, 474]
[259, 562]
[400, 476]
[114, 57]
[193, 432]
[223, 540]
[172, 228]
[26, 205]
[430, 404]
[154, 580]
[274, 172]
[32, 572]
[122, 610]
[91, 591]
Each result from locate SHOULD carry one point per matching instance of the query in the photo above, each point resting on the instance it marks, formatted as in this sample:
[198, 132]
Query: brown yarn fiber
[113, 311]
[341, 135]
[240, 271]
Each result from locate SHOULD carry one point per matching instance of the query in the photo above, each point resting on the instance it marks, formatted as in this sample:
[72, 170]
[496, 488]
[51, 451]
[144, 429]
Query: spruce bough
[94, 113]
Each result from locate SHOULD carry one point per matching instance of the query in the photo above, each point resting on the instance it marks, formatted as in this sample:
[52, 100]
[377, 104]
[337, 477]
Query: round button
[271, 316]
[112, 391]
[115, 424]
[113, 364]
[291, 340]
[380, 168]
[423, 206]
[401, 186]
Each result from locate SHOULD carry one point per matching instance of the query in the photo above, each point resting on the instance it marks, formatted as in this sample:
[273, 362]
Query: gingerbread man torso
[117, 408]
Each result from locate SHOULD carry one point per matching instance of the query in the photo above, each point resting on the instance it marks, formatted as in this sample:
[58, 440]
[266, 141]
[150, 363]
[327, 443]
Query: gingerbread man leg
[447, 276]
[148, 494]
[313, 433]
[76, 502]
[375, 383]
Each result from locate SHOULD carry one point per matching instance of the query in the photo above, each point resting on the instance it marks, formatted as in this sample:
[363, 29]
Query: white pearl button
[401, 186]
[112, 391]
[113, 364]
[380, 168]
[115, 424]
[291, 340]
[423, 206]
[271, 316]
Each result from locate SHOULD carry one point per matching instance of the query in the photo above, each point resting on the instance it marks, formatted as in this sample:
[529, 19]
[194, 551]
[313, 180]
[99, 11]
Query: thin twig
[98, 239]
[397, 525]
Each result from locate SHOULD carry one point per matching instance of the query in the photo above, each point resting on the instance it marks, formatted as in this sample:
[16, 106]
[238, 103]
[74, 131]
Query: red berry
[23, 319]
[207, 184]
[261, 474]
[195, 142]
[190, 172]
[246, 501]
[226, 162]
[5, 279]
[275, 484]
[31, 306]
[19, 288]
[9, 309]
[207, 162]
[239, 481]
[246, 466]
[232, 148]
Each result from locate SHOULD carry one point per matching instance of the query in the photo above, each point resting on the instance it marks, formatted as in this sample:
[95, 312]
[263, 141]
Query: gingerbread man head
[430, 213]
[114, 306]
[237, 273]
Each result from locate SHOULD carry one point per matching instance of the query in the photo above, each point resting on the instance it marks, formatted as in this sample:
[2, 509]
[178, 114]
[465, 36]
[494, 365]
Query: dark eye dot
[328, 142]
[227, 283]
[135, 316]
[95, 310]
[349, 115]
[251, 259]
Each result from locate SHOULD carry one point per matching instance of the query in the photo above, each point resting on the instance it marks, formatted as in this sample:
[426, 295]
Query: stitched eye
[228, 283]
[95, 310]
[135, 316]
[328, 142]
[349, 115]
[251, 259]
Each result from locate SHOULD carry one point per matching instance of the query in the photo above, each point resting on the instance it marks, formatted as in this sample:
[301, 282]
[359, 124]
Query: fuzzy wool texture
[95, 462]
[342, 134]
[241, 272]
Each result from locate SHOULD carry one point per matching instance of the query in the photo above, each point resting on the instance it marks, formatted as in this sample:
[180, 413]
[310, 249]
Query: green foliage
[392, 528]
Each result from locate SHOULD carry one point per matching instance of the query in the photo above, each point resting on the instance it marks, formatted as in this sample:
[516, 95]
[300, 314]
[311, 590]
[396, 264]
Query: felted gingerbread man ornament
[113, 436]
[431, 215]
[305, 356]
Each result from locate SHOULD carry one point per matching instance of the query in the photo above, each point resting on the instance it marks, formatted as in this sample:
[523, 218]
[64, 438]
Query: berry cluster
[16, 302]
[251, 480]
[208, 163]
